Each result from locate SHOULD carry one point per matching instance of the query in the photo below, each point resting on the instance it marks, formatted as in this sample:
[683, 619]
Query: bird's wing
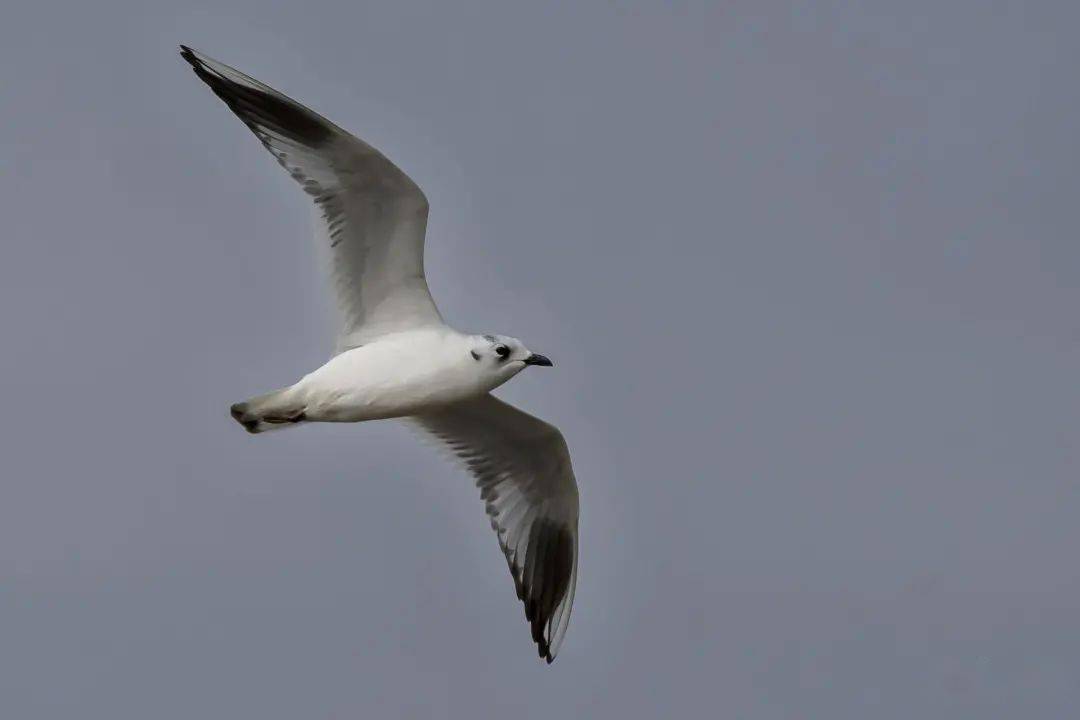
[372, 216]
[522, 468]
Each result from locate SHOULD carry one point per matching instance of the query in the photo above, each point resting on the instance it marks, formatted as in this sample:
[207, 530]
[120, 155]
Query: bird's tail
[274, 410]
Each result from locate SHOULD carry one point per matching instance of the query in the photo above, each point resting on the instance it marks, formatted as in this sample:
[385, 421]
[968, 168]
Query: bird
[395, 357]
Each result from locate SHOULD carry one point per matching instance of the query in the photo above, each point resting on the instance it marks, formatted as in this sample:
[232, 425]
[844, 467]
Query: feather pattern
[522, 467]
[372, 216]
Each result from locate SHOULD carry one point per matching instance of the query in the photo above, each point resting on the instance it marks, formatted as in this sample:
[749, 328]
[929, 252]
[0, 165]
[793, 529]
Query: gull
[396, 358]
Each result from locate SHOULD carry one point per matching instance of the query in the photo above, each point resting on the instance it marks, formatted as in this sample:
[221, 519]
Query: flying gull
[396, 358]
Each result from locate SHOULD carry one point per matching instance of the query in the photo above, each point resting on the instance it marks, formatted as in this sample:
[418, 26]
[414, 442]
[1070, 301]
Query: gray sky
[810, 275]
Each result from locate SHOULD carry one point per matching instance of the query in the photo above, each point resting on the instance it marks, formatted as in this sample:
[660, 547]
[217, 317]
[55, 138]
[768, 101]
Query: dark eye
[502, 351]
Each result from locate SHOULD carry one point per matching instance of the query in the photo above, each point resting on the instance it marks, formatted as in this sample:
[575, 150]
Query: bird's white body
[402, 374]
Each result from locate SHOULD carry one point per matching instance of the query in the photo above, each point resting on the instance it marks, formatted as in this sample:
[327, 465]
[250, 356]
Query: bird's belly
[385, 401]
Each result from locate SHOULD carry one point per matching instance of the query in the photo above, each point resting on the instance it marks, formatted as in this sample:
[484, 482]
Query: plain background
[810, 274]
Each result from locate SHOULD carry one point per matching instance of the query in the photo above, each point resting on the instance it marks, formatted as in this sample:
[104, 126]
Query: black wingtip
[192, 59]
[546, 579]
[544, 650]
[258, 105]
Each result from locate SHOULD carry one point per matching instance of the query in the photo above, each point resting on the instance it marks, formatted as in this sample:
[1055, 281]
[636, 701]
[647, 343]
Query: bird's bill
[540, 360]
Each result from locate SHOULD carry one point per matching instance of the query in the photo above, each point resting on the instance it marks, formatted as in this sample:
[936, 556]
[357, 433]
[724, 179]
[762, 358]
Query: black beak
[540, 360]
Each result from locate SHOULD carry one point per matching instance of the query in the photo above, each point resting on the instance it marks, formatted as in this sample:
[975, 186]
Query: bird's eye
[502, 351]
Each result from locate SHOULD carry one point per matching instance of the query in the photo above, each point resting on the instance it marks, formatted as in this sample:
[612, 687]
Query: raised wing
[522, 468]
[372, 216]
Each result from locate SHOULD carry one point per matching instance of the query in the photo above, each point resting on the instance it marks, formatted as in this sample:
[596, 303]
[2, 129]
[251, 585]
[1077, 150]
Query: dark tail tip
[240, 415]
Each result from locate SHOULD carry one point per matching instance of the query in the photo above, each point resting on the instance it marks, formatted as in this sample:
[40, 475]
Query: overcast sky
[810, 275]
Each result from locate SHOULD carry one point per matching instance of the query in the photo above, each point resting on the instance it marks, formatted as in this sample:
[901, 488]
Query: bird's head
[504, 356]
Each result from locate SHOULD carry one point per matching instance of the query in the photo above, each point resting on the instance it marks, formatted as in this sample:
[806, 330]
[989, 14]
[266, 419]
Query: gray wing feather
[373, 217]
[522, 466]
